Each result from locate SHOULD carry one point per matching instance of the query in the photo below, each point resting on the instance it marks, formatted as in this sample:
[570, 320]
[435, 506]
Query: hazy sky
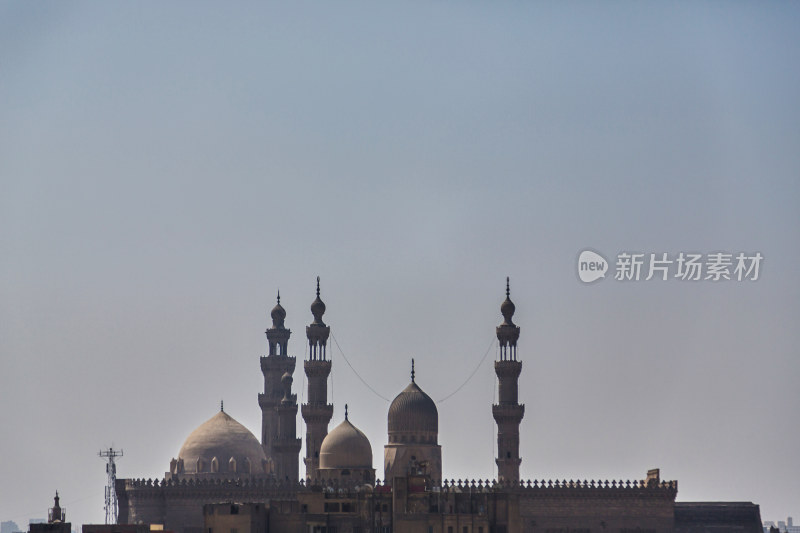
[165, 168]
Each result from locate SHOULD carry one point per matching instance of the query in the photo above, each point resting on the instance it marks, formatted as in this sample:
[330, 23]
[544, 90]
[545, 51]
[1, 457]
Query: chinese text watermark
[662, 266]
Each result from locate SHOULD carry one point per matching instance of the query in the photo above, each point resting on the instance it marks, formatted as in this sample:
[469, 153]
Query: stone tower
[508, 412]
[278, 405]
[317, 412]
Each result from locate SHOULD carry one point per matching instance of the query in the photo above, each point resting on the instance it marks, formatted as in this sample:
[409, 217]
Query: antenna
[111, 491]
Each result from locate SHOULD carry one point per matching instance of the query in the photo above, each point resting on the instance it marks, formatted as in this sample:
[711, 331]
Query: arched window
[200, 464]
[231, 465]
[214, 465]
[248, 468]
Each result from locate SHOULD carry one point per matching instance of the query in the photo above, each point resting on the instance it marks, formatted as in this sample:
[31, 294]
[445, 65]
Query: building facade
[223, 468]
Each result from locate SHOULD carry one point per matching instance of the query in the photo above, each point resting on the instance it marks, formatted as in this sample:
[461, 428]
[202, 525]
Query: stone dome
[413, 413]
[278, 314]
[345, 447]
[221, 438]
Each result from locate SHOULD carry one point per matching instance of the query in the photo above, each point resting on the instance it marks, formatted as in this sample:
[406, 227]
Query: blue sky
[166, 168]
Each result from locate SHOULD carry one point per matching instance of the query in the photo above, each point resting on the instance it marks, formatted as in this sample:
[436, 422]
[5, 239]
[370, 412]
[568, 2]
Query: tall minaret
[278, 439]
[317, 412]
[286, 446]
[508, 412]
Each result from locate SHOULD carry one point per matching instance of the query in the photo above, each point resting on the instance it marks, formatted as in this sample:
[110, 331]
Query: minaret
[56, 513]
[278, 439]
[317, 412]
[286, 446]
[508, 412]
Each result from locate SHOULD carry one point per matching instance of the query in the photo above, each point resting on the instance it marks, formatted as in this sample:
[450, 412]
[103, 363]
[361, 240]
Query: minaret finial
[317, 286]
[345, 411]
[412, 370]
[508, 287]
[279, 296]
[221, 406]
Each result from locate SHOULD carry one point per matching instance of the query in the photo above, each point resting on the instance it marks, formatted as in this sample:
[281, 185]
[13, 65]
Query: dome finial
[278, 314]
[318, 308]
[221, 406]
[507, 308]
[412, 370]
[345, 411]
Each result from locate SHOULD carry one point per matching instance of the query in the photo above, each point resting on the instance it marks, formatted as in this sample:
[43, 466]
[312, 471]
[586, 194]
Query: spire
[508, 332]
[278, 314]
[412, 371]
[56, 513]
[317, 332]
[507, 308]
[278, 335]
[318, 308]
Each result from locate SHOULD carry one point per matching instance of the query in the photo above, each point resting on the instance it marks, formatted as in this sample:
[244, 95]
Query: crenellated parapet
[564, 487]
[316, 414]
[317, 368]
[278, 365]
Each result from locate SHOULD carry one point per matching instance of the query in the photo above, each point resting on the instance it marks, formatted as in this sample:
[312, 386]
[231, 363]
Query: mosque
[225, 480]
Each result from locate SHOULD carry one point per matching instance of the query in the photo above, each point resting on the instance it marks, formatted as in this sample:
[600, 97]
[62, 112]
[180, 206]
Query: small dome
[413, 411]
[507, 308]
[223, 438]
[278, 315]
[318, 308]
[345, 447]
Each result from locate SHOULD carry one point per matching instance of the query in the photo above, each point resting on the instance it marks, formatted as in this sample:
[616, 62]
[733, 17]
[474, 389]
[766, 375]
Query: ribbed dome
[345, 447]
[223, 438]
[413, 411]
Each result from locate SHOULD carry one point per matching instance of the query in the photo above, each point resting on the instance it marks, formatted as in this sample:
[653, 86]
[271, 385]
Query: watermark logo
[591, 266]
[662, 266]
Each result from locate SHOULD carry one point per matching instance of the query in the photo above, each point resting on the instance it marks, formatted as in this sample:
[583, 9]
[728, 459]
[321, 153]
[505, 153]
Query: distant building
[224, 480]
[56, 520]
[781, 526]
[9, 527]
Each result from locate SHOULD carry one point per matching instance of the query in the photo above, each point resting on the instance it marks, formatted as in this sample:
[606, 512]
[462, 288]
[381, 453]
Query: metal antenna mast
[111, 491]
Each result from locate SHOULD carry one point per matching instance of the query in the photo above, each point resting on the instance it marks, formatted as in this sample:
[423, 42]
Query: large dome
[345, 447]
[413, 414]
[222, 445]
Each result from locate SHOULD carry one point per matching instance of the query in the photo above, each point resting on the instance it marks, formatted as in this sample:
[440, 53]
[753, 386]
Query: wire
[356, 373]
[470, 376]
[379, 395]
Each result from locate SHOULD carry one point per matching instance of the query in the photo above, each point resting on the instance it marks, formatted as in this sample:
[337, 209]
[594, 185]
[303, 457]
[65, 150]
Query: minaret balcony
[508, 413]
